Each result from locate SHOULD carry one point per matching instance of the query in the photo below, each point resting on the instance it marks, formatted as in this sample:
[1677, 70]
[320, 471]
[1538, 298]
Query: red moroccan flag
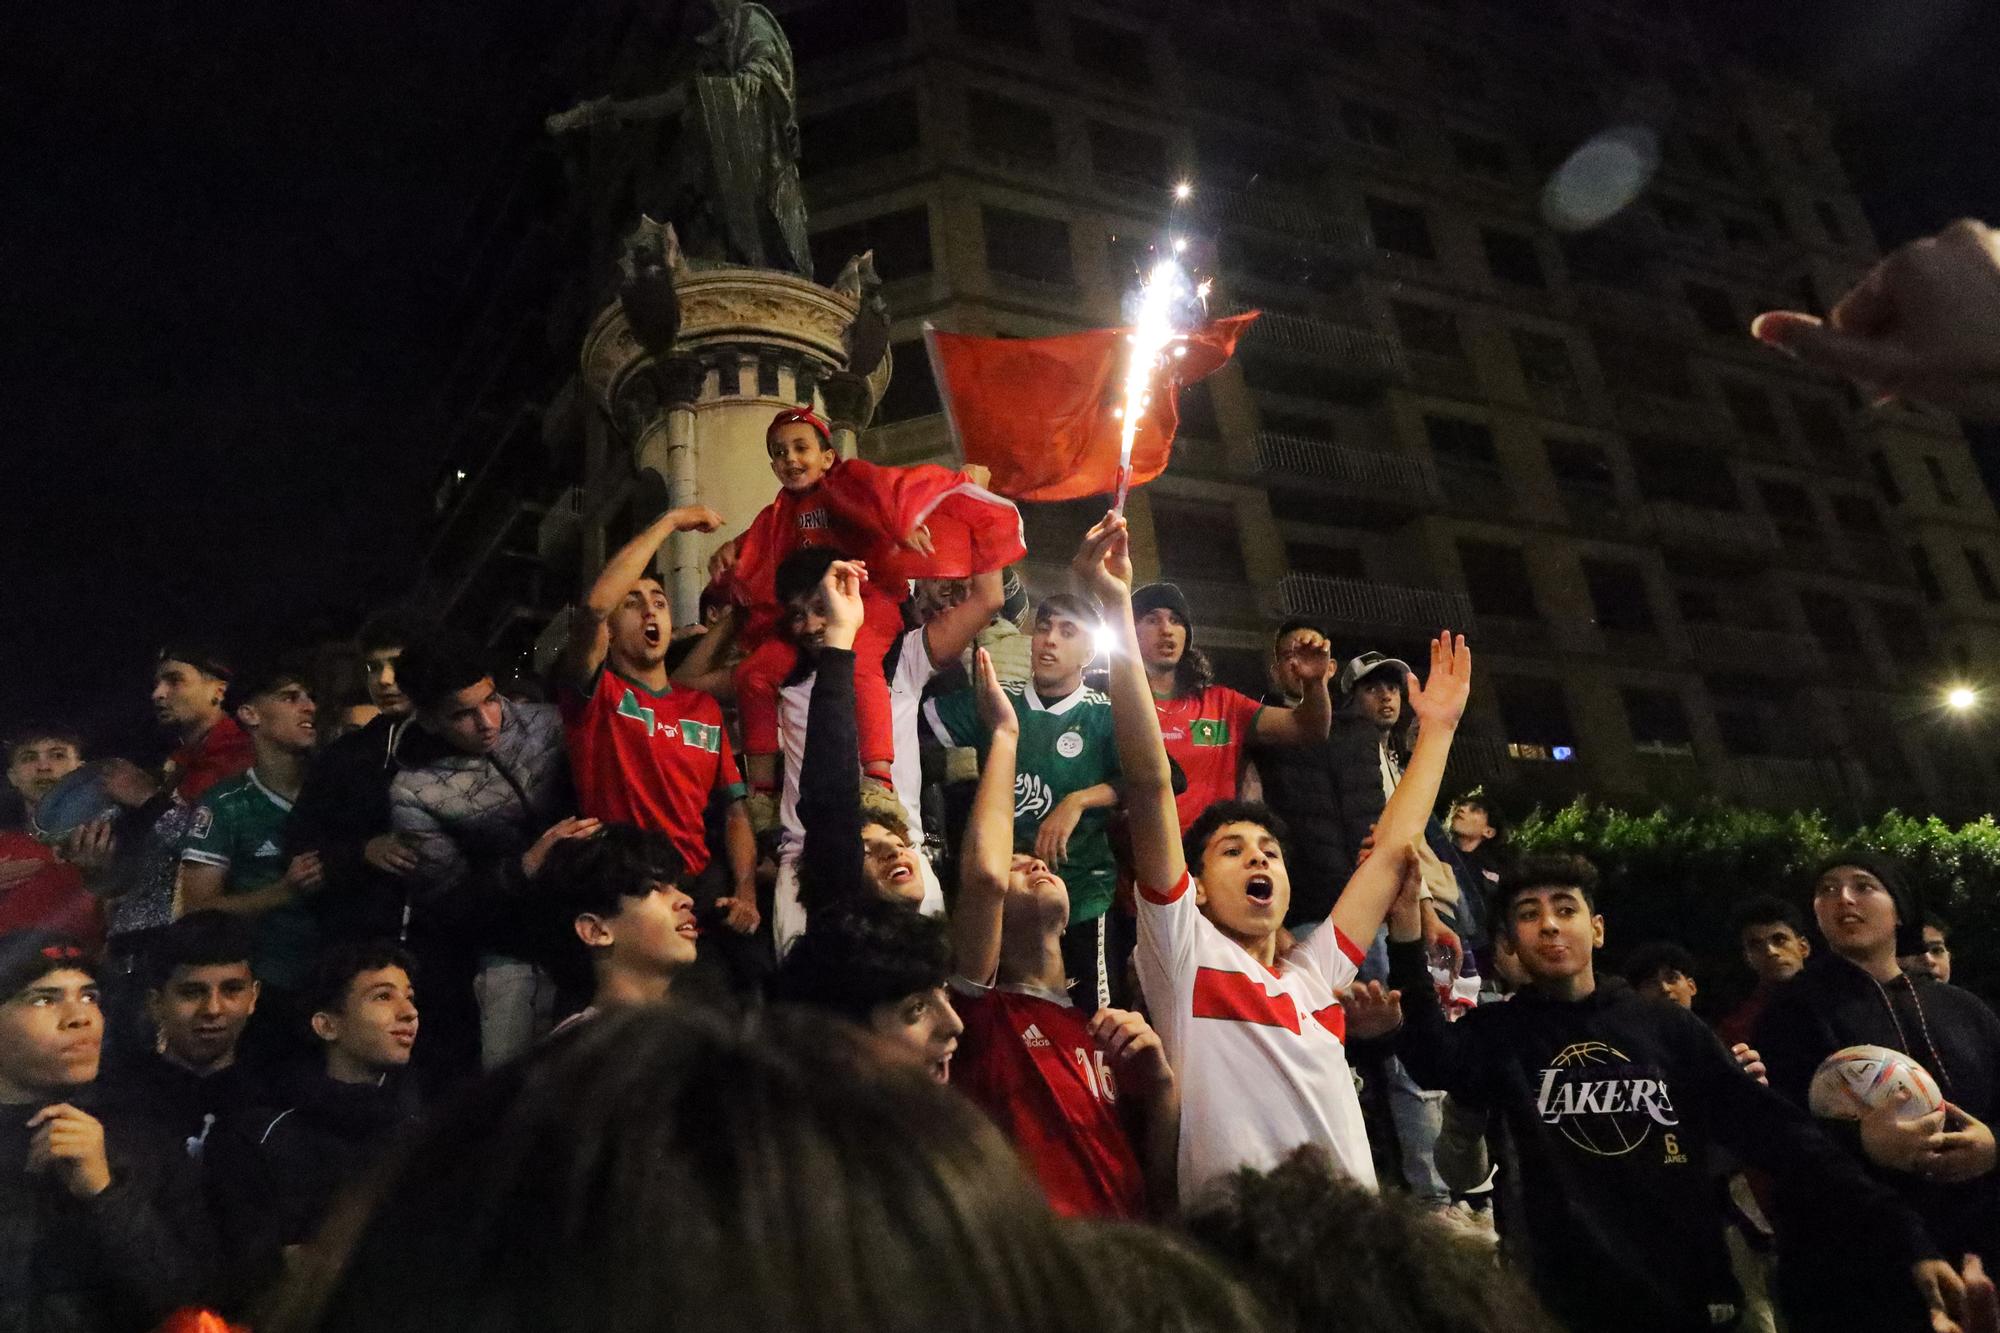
[1042, 412]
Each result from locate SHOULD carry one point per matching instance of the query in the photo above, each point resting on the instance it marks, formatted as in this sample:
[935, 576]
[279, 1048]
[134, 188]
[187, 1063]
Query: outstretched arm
[1308, 723]
[1438, 703]
[1103, 568]
[831, 866]
[707, 666]
[952, 632]
[588, 636]
[987, 855]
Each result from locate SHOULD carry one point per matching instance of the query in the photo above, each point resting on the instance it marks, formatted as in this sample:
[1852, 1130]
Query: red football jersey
[1028, 1061]
[223, 751]
[53, 898]
[649, 759]
[1205, 734]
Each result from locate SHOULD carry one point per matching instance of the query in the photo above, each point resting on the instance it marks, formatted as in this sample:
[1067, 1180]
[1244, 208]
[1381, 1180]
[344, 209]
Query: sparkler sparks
[1163, 294]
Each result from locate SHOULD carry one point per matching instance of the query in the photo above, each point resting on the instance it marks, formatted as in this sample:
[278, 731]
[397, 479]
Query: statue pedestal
[751, 342]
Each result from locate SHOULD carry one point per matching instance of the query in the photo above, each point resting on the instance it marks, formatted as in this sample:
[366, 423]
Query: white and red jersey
[1261, 1056]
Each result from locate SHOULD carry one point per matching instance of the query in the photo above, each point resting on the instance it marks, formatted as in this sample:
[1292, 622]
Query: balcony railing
[1739, 647]
[1653, 414]
[1290, 215]
[1782, 782]
[1357, 602]
[1372, 472]
[1445, 374]
[1352, 347]
[1729, 531]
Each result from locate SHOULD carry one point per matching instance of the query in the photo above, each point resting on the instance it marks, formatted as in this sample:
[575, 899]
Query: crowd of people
[1020, 976]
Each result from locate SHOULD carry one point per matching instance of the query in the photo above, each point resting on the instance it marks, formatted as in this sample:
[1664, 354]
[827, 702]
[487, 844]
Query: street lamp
[1961, 698]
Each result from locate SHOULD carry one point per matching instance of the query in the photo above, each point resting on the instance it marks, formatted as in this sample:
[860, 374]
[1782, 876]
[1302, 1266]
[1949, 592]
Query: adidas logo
[268, 849]
[1033, 1036]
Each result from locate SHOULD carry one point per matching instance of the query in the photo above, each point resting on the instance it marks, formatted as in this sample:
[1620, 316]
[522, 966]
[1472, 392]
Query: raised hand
[694, 518]
[840, 599]
[1311, 655]
[724, 559]
[576, 826]
[1372, 1011]
[1439, 701]
[1133, 1050]
[1103, 563]
[1924, 323]
[996, 710]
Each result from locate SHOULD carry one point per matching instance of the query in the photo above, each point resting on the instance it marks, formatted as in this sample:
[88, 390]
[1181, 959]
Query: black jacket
[344, 803]
[188, 1108]
[1615, 1105]
[1833, 1004]
[118, 1262]
[1303, 784]
[831, 867]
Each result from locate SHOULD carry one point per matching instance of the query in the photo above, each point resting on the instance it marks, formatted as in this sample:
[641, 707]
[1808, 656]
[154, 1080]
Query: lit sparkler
[1163, 294]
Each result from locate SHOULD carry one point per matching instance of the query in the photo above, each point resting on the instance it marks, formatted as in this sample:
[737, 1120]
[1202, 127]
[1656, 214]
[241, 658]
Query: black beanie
[1909, 906]
[26, 956]
[1155, 596]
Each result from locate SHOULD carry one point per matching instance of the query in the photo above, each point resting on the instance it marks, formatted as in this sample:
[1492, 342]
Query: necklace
[1923, 1024]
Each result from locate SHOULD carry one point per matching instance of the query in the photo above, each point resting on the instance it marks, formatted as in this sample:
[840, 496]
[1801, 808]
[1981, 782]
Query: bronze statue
[729, 180]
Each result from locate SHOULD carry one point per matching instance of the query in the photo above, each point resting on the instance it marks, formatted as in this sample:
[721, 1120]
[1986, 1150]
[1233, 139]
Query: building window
[1982, 574]
[1789, 506]
[1689, 474]
[1007, 22]
[1857, 513]
[1456, 442]
[1582, 466]
[1535, 715]
[1831, 621]
[1428, 330]
[1115, 54]
[1545, 361]
[1829, 222]
[901, 242]
[822, 33]
[861, 132]
[1371, 125]
[1885, 478]
[1338, 562]
[1349, 34]
[1605, 258]
[1496, 577]
[1197, 406]
[1743, 727]
[1298, 265]
[1481, 156]
[1820, 422]
[1400, 229]
[1512, 258]
[1023, 245]
[1011, 131]
[1750, 407]
[1658, 721]
[1205, 543]
[912, 392]
[1651, 365]
[1618, 595]
[1926, 572]
[1712, 308]
[1940, 483]
[1906, 630]
[1117, 153]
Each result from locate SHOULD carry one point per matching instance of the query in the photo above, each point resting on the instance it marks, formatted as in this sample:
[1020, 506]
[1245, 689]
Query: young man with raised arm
[1049, 1074]
[644, 751]
[1256, 1038]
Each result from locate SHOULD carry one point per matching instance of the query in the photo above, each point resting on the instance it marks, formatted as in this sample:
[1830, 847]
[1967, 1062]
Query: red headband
[805, 414]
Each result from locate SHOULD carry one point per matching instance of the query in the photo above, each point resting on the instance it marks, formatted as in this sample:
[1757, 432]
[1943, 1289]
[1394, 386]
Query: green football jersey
[1066, 746]
[240, 826]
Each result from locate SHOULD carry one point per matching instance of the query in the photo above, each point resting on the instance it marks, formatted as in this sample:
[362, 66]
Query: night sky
[232, 241]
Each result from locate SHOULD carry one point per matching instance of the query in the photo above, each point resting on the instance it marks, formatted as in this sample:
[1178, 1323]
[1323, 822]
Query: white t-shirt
[1261, 1056]
[906, 696]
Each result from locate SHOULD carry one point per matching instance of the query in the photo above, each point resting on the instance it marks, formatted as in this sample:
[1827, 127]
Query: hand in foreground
[70, 1143]
[1750, 1062]
[1965, 1151]
[694, 518]
[1982, 1302]
[1924, 323]
[918, 539]
[978, 474]
[1310, 655]
[1439, 700]
[306, 874]
[1441, 941]
[1053, 835]
[996, 710]
[840, 600]
[742, 914]
[390, 854]
[1899, 1145]
[1102, 566]
[1944, 1295]
[576, 826]
[91, 847]
[1371, 1011]
[723, 559]
[1133, 1049]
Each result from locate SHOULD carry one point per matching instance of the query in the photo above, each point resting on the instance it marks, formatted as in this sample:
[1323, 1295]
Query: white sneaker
[1468, 1223]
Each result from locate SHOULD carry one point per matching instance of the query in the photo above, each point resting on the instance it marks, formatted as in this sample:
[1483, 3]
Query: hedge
[1677, 875]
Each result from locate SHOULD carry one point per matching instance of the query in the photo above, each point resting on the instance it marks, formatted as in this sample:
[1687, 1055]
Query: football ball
[1859, 1076]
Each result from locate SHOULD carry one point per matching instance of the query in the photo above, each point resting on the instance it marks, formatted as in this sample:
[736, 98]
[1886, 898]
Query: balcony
[1782, 782]
[1532, 636]
[1288, 215]
[1363, 474]
[1740, 648]
[1361, 604]
[1438, 373]
[1354, 349]
[1714, 531]
[1566, 402]
[1657, 414]
[1600, 513]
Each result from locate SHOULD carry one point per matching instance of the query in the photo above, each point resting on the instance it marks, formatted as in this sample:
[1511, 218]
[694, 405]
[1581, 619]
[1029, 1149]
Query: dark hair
[268, 675]
[1650, 961]
[1551, 870]
[1766, 911]
[800, 572]
[733, 1172]
[391, 627]
[440, 665]
[207, 658]
[26, 956]
[1323, 1252]
[1939, 924]
[1163, 1283]
[1496, 818]
[1218, 813]
[337, 968]
[595, 876]
[1909, 906]
[29, 732]
[855, 956]
[1069, 606]
[199, 939]
[1194, 672]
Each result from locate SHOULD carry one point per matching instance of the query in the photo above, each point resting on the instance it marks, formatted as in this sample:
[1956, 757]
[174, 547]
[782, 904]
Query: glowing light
[1180, 245]
[1106, 641]
[1601, 178]
[461, 474]
[1183, 191]
[1163, 289]
[1961, 698]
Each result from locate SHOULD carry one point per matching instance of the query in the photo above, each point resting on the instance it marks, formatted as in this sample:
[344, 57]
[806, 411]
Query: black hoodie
[1615, 1105]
